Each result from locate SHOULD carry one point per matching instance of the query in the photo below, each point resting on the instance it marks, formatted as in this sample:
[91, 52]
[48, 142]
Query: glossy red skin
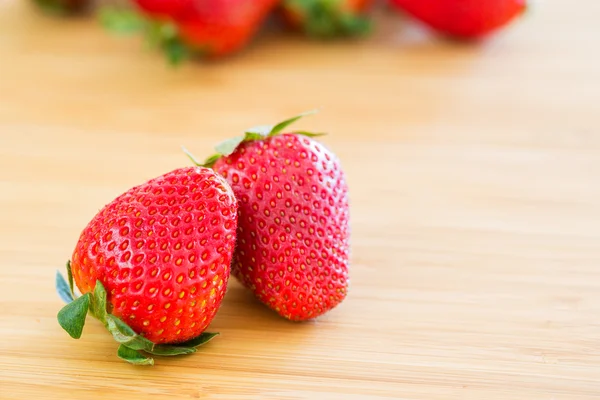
[293, 226]
[463, 18]
[163, 8]
[163, 252]
[222, 27]
[214, 27]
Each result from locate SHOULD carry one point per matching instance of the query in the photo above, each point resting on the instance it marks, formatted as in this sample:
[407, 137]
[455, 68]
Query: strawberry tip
[72, 318]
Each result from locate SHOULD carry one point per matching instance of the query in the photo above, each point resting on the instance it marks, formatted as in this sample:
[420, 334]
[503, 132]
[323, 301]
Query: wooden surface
[474, 175]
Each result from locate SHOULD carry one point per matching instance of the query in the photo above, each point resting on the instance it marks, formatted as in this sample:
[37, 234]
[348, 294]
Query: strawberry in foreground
[327, 18]
[468, 19]
[293, 226]
[153, 264]
[187, 28]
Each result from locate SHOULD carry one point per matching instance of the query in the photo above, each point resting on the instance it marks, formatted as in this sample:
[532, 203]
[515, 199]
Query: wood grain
[474, 176]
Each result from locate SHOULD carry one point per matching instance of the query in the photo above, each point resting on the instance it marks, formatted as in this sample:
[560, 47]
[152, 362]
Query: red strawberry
[184, 28]
[163, 8]
[327, 18]
[157, 260]
[293, 227]
[221, 27]
[463, 18]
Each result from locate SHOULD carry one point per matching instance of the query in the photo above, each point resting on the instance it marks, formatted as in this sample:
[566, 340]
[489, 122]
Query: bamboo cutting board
[474, 177]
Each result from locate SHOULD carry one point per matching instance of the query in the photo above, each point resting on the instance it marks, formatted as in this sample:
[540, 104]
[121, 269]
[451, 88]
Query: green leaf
[133, 357]
[198, 341]
[282, 125]
[175, 50]
[166, 350]
[72, 316]
[121, 327]
[126, 336]
[72, 319]
[191, 156]
[62, 288]
[259, 132]
[228, 146]
[98, 304]
[188, 347]
[70, 277]
[120, 20]
[123, 334]
[210, 161]
[159, 31]
[354, 25]
[164, 35]
[328, 20]
[310, 134]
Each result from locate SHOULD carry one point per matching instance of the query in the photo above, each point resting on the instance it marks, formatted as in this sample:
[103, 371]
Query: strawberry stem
[163, 35]
[326, 19]
[259, 132]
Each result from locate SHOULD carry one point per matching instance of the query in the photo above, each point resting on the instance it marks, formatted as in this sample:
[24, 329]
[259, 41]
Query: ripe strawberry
[185, 28]
[220, 27]
[463, 18]
[293, 227]
[157, 260]
[327, 18]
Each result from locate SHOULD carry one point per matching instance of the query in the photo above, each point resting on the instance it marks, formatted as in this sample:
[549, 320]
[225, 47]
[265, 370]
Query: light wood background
[475, 184]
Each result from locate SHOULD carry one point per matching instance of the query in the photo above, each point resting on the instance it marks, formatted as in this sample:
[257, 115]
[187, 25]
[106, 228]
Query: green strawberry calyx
[259, 132]
[132, 347]
[159, 34]
[326, 19]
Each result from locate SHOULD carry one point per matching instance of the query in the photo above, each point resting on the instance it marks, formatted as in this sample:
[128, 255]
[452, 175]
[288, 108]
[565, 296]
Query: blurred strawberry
[184, 28]
[327, 18]
[463, 18]
[221, 27]
[162, 8]
[61, 7]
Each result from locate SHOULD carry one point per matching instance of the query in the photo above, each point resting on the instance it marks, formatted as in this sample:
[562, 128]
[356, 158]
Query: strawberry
[463, 18]
[327, 18]
[163, 8]
[293, 226]
[220, 27]
[154, 263]
[185, 28]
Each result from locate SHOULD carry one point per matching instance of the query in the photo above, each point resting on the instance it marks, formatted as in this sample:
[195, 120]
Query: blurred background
[473, 165]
